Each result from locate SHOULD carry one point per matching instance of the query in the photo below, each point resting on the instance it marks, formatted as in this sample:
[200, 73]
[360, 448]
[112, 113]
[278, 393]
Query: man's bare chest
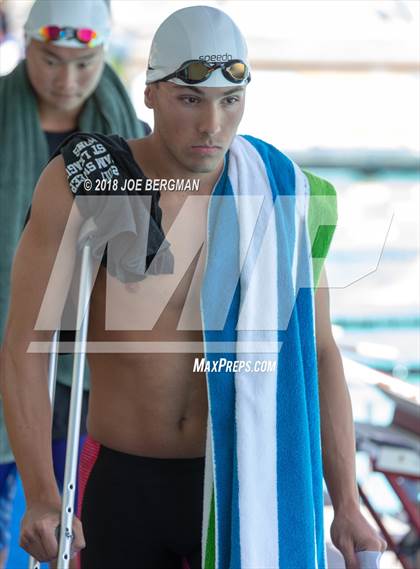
[167, 302]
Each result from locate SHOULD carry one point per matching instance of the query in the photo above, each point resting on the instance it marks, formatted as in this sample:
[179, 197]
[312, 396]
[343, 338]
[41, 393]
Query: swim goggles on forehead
[196, 71]
[54, 33]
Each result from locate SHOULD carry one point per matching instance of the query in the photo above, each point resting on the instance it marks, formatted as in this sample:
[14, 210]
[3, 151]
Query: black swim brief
[140, 512]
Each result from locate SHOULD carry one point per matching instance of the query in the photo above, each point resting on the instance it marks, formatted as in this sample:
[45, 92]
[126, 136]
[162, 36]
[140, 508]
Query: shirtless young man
[143, 504]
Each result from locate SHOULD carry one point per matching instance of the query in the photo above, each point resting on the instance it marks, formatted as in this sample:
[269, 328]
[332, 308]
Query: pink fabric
[88, 458]
[87, 461]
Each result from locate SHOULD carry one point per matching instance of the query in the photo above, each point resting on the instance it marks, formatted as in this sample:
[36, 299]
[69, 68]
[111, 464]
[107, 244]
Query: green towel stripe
[210, 557]
[322, 220]
[321, 241]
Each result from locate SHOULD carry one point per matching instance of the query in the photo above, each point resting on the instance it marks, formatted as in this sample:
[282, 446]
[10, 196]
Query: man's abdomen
[148, 404]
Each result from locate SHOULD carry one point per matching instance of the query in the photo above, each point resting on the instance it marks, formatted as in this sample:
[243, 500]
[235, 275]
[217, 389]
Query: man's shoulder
[279, 161]
[275, 161]
[78, 142]
[97, 161]
[278, 167]
[263, 147]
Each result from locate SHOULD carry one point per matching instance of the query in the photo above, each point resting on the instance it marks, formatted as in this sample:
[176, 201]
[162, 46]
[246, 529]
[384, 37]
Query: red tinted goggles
[54, 33]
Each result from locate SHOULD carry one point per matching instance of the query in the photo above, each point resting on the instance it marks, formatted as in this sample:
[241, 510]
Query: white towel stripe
[256, 410]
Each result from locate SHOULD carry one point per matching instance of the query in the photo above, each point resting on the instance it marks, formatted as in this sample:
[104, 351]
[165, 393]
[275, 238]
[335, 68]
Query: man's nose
[66, 78]
[210, 120]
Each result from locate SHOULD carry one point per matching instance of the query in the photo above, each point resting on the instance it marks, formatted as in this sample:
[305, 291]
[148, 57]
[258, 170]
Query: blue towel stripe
[222, 226]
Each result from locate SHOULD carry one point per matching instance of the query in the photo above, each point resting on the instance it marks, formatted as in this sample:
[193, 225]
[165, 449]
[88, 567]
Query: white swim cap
[196, 33]
[73, 17]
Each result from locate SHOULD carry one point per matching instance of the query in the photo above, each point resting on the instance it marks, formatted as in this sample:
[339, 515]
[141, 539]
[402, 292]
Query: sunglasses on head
[53, 33]
[196, 71]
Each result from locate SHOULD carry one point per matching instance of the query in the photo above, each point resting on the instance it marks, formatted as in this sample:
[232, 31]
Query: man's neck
[55, 120]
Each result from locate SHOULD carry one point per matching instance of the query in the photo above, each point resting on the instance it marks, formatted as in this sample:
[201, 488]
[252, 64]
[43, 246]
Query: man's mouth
[206, 149]
[65, 95]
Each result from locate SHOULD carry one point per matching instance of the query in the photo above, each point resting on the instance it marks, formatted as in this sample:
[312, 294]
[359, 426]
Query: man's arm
[24, 376]
[350, 531]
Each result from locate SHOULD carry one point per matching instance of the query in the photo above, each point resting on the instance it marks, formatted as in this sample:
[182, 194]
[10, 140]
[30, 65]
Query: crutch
[65, 537]
[73, 429]
[52, 376]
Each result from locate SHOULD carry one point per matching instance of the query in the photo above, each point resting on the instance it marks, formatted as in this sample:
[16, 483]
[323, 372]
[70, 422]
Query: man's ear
[149, 96]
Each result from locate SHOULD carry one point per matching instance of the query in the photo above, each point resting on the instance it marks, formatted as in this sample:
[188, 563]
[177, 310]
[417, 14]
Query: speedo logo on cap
[216, 57]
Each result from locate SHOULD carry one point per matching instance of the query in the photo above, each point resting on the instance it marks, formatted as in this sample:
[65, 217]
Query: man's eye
[83, 65]
[231, 100]
[49, 61]
[189, 100]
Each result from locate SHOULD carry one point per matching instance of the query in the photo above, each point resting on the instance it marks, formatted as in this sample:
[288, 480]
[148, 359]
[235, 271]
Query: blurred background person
[61, 86]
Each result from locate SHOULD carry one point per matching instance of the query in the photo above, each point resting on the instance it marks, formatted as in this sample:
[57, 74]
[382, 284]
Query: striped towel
[269, 229]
